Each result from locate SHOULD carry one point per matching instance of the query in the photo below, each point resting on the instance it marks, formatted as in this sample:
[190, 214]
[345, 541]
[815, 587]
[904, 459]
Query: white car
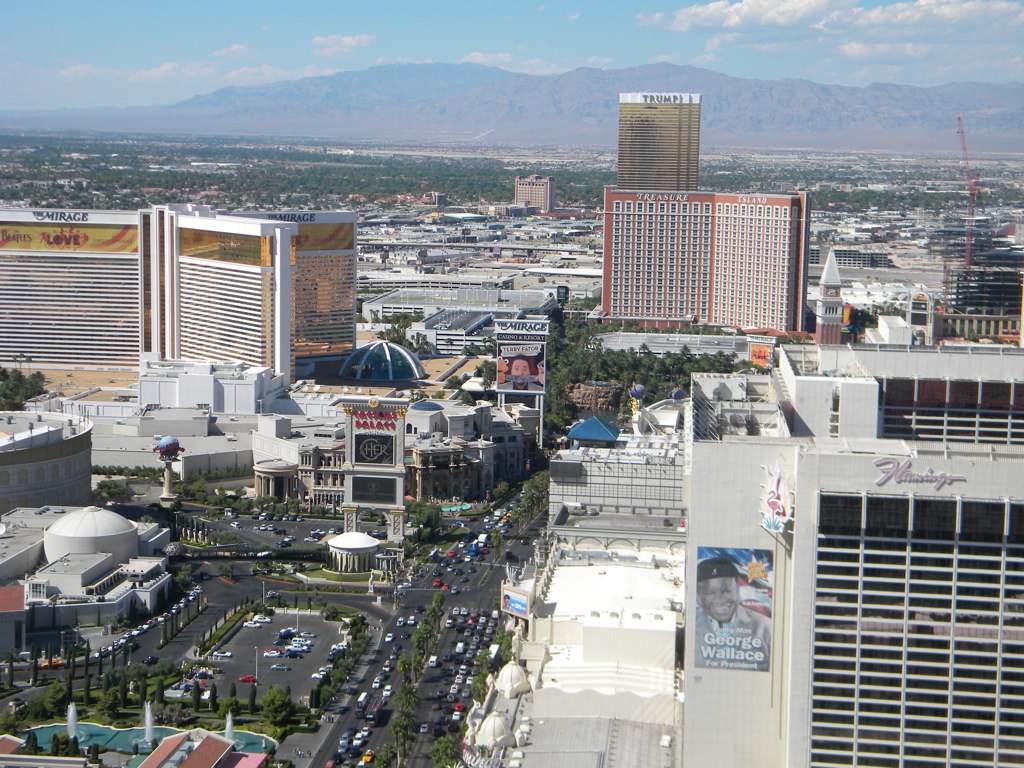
[406, 585]
[307, 634]
[272, 654]
[252, 624]
[376, 683]
[318, 675]
[389, 638]
[386, 693]
[222, 655]
[262, 619]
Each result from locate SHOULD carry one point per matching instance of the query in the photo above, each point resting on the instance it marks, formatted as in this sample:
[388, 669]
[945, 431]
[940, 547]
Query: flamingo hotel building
[109, 288]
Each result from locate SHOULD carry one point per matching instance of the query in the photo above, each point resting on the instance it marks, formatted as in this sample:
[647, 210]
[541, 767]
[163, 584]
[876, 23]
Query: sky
[112, 53]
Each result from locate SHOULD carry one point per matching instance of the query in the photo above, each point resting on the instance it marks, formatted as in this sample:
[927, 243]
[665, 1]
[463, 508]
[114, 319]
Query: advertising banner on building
[520, 367]
[374, 490]
[515, 602]
[325, 237]
[735, 589]
[71, 238]
[375, 449]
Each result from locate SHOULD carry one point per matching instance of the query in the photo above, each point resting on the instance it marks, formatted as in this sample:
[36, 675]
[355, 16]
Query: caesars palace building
[108, 288]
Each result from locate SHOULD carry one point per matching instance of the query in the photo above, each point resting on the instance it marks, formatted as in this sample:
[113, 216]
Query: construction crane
[973, 191]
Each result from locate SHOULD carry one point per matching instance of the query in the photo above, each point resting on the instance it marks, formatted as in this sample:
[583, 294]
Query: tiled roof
[12, 598]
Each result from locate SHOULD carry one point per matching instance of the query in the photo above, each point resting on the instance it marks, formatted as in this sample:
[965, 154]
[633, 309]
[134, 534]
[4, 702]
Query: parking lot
[248, 645]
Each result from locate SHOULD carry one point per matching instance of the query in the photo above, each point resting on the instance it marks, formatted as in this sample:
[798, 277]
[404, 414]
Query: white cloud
[572, 16]
[598, 61]
[490, 59]
[339, 45]
[161, 72]
[662, 58]
[238, 49]
[856, 50]
[749, 13]
[984, 13]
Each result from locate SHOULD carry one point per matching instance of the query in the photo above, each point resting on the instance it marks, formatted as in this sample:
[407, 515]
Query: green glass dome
[382, 361]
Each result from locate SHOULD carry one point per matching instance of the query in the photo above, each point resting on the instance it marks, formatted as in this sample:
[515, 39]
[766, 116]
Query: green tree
[252, 699]
[277, 706]
[196, 698]
[56, 698]
[213, 698]
[16, 388]
[230, 704]
[445, 752]
[110, 703]
[386, 755]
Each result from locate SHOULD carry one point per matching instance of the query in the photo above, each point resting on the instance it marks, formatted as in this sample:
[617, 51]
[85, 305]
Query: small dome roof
[512, 680]
[494, 732]
[353, 540]
[382, 361]
[91, 522]
[426, 405]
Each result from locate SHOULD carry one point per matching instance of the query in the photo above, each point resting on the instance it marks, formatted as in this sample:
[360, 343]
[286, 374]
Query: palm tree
[405, 667]
[407, 698]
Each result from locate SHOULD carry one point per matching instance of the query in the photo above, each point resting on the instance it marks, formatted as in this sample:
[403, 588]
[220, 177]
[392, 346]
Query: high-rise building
[536, 192]
[71, 287]
[659, 141]
[179, 281]
[674, 258]
[864, 503]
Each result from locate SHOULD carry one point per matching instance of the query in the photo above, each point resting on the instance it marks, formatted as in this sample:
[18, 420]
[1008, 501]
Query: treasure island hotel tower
[674, 255]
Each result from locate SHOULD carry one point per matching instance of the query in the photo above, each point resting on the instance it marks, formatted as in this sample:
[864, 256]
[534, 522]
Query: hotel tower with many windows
[675, 256]
[96, 288]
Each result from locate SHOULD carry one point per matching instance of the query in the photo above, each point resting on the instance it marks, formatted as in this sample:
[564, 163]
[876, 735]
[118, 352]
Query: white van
[460, 649]
[432, 662]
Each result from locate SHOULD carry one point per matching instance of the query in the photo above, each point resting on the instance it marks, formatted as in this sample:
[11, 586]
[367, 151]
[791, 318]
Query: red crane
[973, 192]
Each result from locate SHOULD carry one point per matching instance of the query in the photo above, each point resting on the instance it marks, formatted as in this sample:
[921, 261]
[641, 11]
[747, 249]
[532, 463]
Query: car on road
[454, 590]
[387, 692]
[222, 655]
[377, 682]
[280, 668]
[247, 679]
[307, 634]
[272, 653]
[150, 660]
[389, 638]
[424, 727]
[260, 618]
[252, 624]
[405, 585]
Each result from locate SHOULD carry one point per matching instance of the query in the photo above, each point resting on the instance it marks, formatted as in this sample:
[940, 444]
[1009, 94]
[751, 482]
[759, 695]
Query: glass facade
[918, 632]
[659, 146]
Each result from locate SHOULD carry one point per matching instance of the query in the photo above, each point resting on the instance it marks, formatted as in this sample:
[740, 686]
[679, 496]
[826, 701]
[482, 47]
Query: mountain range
[478, 105]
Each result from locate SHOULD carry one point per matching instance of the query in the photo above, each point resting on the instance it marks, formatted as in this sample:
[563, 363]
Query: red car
[444, 587]
[247, 679]
[437, 582]
[451, 553]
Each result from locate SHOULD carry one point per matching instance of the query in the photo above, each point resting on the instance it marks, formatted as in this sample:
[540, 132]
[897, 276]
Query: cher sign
[70, 238]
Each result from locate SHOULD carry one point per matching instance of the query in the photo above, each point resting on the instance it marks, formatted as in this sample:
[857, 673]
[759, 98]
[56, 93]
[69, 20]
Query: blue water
[122, 740]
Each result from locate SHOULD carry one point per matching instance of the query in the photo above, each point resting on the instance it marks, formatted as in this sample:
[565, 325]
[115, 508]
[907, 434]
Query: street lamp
[257, 675]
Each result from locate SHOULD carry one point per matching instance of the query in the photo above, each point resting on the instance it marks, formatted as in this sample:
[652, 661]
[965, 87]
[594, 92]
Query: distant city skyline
[112, 55]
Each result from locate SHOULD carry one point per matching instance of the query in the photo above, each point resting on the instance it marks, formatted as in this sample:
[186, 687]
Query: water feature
[229, 727]
[123, 739]
[148, 713]
[72, 725]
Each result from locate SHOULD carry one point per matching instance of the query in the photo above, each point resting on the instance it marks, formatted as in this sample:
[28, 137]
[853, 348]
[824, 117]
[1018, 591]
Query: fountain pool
[123, 739]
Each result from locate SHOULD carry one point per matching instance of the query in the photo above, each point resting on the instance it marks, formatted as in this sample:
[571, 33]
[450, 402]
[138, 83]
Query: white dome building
[352, 552]
[512, 681]
[494, 732]
[89, 531]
